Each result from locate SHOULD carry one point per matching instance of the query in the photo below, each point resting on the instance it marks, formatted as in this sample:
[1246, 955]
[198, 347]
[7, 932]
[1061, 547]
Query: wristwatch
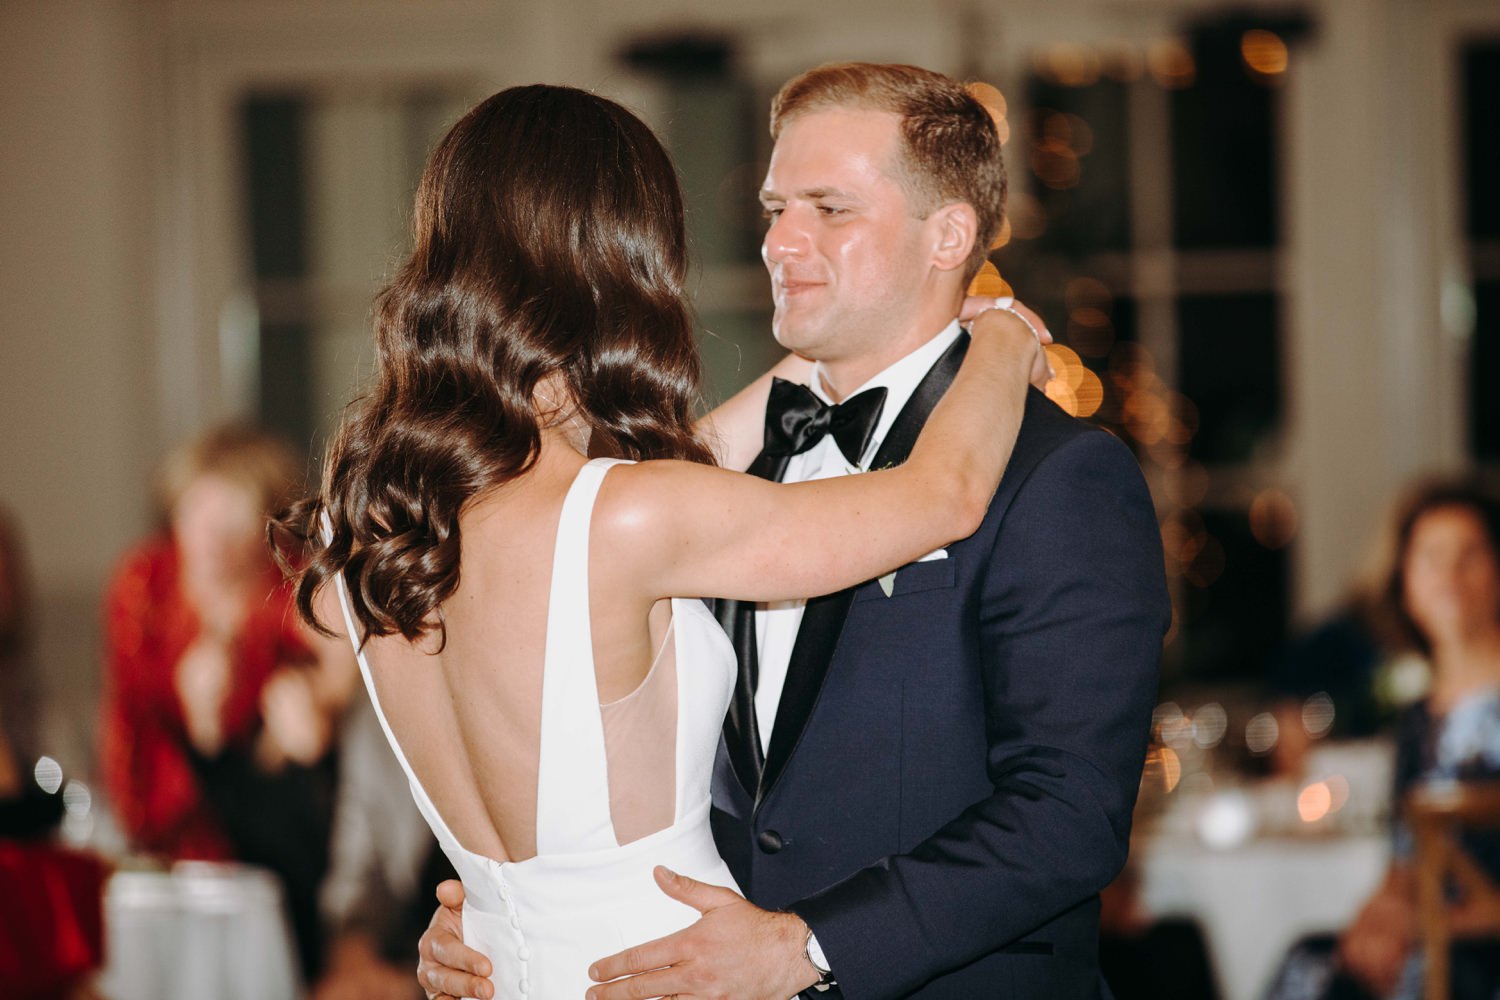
[819, 962]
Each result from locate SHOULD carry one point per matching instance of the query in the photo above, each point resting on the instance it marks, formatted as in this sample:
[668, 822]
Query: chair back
[1437, 812]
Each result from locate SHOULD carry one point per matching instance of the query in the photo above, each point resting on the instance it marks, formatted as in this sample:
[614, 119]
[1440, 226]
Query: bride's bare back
[469, 716]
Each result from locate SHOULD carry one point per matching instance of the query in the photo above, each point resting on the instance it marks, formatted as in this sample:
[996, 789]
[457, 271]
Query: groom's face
[846, 253]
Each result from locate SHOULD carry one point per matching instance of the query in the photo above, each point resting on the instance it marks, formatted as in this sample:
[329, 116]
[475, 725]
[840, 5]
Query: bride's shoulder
[647, 503]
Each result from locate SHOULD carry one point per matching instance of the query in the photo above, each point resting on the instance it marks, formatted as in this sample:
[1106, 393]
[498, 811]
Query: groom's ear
[954, 228]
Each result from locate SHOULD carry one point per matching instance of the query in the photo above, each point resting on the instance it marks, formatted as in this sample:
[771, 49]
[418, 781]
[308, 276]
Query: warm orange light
[1067, 364]
[1062, 394]
[1208, 565]
[989, 95]
[1027, 217]
[993, 101]
[1055, 164]
[1171, 768]
[989, 282]
[1003, 236]
[1090, 332]
[1264, 52]
[1273, 519]
[1070, 64]
[1088, 293]
[1089, 393]
[1314, 802]
[1171, 64]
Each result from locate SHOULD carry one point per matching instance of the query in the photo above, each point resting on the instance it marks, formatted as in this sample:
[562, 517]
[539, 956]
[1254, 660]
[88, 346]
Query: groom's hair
[950, 146]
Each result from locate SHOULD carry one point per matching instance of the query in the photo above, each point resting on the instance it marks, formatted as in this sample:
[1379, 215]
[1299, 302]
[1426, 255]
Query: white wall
[75, 241]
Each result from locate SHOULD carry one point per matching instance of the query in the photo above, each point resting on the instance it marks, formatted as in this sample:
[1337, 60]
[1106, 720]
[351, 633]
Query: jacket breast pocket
[913, 578]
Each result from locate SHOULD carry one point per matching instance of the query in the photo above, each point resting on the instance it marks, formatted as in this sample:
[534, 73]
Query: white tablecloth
[200, 932]
[1254, 901]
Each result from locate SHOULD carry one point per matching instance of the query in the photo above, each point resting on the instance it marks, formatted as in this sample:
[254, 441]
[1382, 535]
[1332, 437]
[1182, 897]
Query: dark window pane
[1224, 149]
[1234, 600]
[275, 171]
[1229, 365]
[1484, 369]
[1076, 141]
[285, 381]
[1481, 130]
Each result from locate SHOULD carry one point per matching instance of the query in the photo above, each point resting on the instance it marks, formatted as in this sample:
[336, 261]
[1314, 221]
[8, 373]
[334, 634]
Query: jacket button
[770, 841]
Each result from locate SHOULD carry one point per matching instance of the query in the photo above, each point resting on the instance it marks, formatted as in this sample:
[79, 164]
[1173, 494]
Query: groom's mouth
[793, 288]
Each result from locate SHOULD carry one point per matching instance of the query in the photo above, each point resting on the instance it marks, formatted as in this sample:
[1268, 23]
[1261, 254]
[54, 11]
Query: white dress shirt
[776, 624]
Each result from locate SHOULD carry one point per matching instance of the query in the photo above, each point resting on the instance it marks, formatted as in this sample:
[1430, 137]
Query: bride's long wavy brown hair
[548, 242]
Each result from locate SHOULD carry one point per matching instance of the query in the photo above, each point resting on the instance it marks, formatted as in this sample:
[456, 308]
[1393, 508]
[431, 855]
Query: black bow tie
[796, 420]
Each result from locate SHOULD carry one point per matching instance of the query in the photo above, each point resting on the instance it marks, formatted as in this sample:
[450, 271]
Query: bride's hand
[975, 305]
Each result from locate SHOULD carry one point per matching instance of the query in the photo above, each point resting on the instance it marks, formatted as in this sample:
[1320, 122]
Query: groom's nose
[786, 238]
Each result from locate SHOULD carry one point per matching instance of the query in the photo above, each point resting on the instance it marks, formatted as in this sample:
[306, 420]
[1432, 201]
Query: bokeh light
[1264, 52]
[1261, 734]
[1210, 723]
[1273, 519]
[1314, 802]
[1227, 820]
[1317, 715]
[1069, 64]
[48, 774]
[1171, 64]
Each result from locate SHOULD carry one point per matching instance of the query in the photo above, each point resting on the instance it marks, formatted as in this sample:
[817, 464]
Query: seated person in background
[51, 896]
[385, 864]
[219, 704]
[18, 707]
[1443, 599]
[25, 810]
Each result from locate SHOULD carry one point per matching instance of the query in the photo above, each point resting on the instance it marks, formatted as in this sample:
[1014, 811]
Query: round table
[202, 931]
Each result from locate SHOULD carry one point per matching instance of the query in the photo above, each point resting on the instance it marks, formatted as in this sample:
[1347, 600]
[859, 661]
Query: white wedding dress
[544, 920]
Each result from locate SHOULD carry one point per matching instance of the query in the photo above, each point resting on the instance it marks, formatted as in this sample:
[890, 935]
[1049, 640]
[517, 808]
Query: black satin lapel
[741, 730]
[823, 622]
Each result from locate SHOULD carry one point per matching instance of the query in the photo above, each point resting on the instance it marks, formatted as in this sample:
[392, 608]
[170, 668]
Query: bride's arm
[734, 430]
[680, 529]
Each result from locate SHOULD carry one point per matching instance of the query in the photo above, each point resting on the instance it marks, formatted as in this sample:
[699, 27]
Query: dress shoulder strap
[573, 773]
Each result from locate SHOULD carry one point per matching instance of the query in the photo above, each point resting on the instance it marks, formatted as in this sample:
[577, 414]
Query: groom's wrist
[819, 962]
[803, 975]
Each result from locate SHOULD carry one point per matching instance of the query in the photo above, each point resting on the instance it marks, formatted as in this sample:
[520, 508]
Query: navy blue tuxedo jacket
[960, 784]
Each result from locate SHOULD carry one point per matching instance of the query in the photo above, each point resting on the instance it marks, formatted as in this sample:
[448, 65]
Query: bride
[511, 515]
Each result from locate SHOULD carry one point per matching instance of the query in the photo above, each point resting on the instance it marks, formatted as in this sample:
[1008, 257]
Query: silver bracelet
[1006, 307]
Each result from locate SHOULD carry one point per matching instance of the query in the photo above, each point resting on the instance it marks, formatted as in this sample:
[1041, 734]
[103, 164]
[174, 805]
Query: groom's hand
[448, 969]
[736, 950]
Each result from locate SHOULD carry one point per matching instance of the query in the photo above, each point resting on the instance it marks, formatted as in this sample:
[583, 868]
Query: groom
[925, 780]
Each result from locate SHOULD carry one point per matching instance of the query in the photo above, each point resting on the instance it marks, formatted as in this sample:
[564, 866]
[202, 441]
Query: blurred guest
[219, 704]
[1442, 598]
[1147, 958]
[18, 701]
[385, 864]
[51, 924]
[25, 809]
[1339, 658]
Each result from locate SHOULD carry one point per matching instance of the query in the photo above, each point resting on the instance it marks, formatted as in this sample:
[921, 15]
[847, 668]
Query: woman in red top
[219, 704]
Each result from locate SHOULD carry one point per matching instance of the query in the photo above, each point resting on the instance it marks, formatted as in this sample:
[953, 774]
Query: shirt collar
[900, 381]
